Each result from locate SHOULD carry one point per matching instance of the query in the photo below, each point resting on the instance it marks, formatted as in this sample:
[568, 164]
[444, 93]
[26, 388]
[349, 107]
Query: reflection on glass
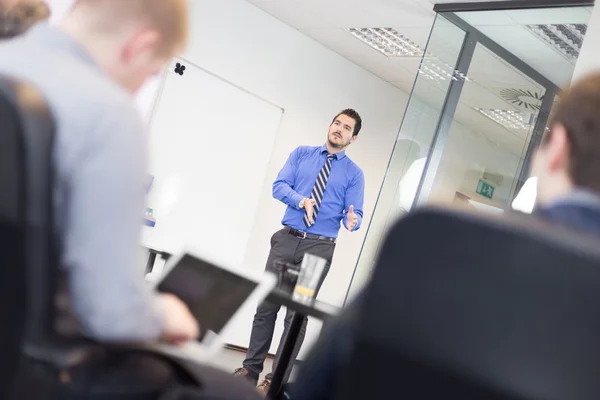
[549, 39]
[488, 139]
[415, 138]
[525, 200]
[409, 184]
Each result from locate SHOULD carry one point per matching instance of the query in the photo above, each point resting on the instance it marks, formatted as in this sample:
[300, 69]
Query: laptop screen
[212, 294]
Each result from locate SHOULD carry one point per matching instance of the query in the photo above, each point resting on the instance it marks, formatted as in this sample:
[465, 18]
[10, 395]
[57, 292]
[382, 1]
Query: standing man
[321, 187]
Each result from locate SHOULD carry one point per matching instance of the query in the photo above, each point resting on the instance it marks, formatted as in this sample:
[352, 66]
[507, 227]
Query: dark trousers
[289, 249]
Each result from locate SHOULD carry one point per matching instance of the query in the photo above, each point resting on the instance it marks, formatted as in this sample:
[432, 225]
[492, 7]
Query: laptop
[215, 295]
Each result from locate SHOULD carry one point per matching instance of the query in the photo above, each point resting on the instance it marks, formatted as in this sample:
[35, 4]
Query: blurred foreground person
[567, 165]
[17, 16]
[88, 68]
[99, 56]
[567, 162]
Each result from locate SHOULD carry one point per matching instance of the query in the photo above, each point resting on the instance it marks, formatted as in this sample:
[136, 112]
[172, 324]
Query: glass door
[479, 161]
[438, 73]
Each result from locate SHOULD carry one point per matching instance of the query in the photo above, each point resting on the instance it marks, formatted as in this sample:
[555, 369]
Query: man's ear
[142, 44]
[354, 137]
[557, 148]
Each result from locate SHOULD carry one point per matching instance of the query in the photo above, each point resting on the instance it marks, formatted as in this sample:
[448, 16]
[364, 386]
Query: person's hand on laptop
[181, 326]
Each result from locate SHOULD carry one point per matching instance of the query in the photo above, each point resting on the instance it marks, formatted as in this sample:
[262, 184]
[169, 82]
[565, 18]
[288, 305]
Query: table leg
[286, 355]
[150, 262]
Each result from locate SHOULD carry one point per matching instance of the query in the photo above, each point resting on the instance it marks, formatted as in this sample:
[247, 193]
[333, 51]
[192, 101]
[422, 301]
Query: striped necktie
[319, 189]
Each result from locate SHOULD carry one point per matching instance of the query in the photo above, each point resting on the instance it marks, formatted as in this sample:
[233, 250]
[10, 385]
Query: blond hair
[168, 17]
[16, 18]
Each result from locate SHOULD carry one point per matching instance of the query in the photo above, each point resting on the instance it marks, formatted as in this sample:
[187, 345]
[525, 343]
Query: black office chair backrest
[27, 249]
[467, 307]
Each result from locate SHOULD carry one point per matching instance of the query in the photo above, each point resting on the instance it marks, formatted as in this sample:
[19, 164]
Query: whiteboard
[208, 167]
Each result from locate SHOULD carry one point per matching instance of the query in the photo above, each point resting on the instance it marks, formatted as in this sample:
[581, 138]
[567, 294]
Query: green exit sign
[485, 189]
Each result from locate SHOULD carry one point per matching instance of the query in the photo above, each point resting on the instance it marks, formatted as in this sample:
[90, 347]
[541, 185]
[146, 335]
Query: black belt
[304, 235]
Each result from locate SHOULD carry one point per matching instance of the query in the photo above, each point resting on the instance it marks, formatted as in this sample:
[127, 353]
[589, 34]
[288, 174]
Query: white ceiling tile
[340, 14]
[486, 18]
[382, 67]
[572, 15]
[555, 68]
[405, 86]
[419, 35]
[341, 41]
[411, 64]
[525, 45]
[487, 68]
[292, 13]
[405, 13]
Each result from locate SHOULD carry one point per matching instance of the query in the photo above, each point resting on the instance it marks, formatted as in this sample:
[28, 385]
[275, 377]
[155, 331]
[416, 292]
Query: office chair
[26, 137]
[473, 307]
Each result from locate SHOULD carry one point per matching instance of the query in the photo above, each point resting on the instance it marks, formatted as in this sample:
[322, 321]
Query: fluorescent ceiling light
[387, 41]
[393, 44]
[566, 39]
[508, 118]
[436, 69]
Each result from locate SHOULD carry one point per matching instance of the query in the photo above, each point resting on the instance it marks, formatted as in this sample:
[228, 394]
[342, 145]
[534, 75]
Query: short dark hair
[578, 110]
[355, 116]
[17, 18]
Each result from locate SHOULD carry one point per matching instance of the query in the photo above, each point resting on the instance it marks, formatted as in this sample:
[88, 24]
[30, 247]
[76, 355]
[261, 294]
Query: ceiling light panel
[566, 39]
[438, 70]
[387, 41]
[509, 119]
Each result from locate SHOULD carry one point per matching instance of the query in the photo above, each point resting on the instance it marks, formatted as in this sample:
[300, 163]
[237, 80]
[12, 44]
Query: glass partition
[479, 106]
[436, 75]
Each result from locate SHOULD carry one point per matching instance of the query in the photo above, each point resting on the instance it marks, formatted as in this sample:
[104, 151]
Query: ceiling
[326, 22]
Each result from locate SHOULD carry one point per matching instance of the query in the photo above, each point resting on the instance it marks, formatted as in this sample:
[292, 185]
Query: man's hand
[181, 326]
[309, 208]
[351, 219]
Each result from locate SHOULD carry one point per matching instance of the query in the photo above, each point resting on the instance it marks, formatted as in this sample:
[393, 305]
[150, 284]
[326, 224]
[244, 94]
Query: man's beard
[338, 145]
[17, 18]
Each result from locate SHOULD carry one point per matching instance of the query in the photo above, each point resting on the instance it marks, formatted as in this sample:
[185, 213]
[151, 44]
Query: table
[314, 308]
[152, 253]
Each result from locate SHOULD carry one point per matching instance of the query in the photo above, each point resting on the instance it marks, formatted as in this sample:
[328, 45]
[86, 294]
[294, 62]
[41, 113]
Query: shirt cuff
[297, 198]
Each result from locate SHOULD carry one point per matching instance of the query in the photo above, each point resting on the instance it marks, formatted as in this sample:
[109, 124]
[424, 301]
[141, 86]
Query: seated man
[16, 16]
[567, 165]
[87, 68]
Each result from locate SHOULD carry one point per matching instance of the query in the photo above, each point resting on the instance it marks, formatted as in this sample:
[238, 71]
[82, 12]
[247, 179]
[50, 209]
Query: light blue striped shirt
[100, 161]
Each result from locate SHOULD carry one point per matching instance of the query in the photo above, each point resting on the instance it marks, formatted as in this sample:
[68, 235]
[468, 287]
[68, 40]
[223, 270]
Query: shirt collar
[55, 38]
[338, 156]
[577, 197]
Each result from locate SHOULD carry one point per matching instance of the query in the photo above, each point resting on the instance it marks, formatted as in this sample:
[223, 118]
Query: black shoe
[251, 376]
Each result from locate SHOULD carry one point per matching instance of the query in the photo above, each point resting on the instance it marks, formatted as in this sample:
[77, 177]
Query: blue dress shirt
[345, 188]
